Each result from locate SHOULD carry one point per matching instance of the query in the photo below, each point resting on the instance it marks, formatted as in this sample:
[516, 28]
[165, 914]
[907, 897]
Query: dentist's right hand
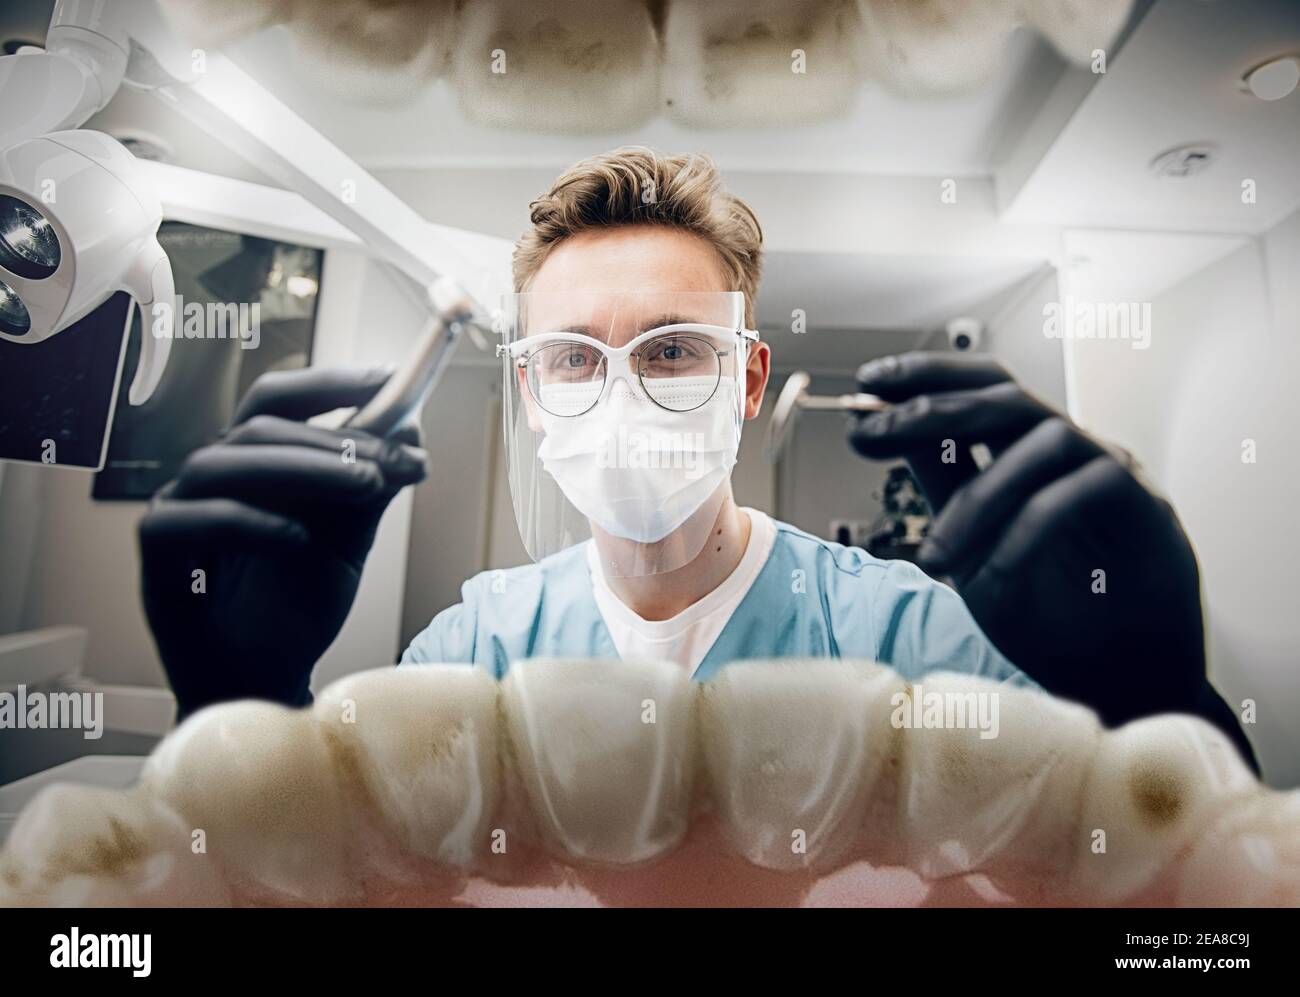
[252, 556]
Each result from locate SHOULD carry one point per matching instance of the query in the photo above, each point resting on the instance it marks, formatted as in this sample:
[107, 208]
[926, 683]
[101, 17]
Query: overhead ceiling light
[301, 286]
[1274, 79]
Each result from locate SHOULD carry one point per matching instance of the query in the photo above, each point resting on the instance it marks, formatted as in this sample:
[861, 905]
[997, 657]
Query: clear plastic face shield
[622, 421]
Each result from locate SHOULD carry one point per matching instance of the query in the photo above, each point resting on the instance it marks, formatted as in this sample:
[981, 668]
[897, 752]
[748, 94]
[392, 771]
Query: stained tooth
[86, 846]
[740, 62]
[932, 47]
[373, 53]
[793, 749]
[419, 745]
[542, 65]
[257, 780]
[804, 760]
[218, 22]
[1154, 784]
[1249, 857]
[604, 752]
[970, 801]
[1077, 29]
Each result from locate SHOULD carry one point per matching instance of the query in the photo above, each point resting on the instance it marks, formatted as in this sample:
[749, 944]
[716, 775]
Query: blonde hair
[637, 186]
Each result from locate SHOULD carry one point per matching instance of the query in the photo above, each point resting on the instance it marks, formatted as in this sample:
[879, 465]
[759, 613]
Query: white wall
[83, 569]
[19, 489]
[800, 212]
[1222, 369]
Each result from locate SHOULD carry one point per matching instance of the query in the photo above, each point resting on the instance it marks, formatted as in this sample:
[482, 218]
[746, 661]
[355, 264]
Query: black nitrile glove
[1026, 540]
[279, 521]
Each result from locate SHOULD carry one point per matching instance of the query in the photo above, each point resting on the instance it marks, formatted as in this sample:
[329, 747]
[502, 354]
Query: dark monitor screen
[57, 396]
[245, 306]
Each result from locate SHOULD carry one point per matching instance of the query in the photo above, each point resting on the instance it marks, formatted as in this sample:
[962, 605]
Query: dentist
[630, 365]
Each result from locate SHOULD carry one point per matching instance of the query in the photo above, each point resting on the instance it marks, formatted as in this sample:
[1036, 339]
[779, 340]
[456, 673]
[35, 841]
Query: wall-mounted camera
[965, 333]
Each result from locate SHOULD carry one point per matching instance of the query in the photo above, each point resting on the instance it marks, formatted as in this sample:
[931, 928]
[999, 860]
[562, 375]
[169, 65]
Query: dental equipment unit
[93, 49]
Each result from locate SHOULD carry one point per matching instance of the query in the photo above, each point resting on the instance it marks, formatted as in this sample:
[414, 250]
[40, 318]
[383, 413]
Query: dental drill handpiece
[404, 393]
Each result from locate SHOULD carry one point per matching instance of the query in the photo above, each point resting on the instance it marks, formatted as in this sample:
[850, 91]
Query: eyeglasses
[679, 367]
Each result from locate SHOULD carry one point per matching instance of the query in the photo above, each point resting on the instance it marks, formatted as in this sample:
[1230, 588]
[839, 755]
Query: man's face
[640, 270]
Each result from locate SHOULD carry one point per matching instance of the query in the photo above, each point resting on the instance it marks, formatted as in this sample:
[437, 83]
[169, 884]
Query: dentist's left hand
[1074, 569]
[252, 556]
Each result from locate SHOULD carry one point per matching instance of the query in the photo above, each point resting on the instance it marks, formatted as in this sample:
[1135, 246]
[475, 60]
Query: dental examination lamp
[60, 259]
[794, 399]
[77, 223]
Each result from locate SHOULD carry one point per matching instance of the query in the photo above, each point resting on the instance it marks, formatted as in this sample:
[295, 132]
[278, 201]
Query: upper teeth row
[589, 65]
[413, 772]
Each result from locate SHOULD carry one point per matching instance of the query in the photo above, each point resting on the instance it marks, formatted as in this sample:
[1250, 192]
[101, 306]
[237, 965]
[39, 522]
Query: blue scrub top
[812, 599]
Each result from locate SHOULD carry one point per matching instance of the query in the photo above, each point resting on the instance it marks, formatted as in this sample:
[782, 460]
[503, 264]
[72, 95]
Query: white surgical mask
[635, 469]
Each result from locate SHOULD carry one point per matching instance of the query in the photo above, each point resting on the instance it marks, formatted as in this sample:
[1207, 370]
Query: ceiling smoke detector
[1184, 161]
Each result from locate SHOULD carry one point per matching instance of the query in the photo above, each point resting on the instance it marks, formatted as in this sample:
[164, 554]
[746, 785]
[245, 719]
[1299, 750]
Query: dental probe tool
[454, 311]
[794, 397]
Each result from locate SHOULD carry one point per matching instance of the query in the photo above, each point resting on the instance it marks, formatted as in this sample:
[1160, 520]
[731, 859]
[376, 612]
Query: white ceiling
[848, 291]
[861, 305]
[1176, 82]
